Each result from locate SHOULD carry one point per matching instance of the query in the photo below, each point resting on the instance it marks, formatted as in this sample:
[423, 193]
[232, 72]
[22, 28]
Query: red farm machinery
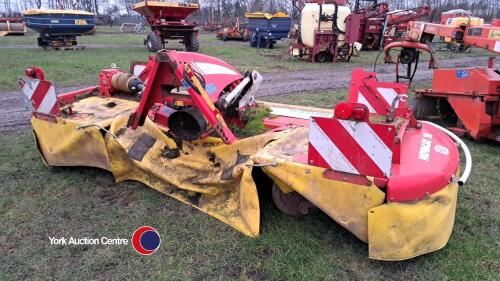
[328, 31]
[12, 26]
[168, 22]
[380, 26]
[236, 31]
[466, 99]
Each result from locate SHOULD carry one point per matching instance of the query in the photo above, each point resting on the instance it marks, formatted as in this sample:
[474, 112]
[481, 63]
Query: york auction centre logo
[146, 240]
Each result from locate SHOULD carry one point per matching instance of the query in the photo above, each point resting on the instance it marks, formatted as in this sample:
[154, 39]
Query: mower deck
[391, 183]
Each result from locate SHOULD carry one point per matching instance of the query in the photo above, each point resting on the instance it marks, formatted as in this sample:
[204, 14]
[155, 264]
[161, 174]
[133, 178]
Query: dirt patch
[281, 83]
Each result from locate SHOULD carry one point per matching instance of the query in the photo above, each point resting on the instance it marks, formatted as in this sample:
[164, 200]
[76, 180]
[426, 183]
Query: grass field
[74, 68]
[37, 202]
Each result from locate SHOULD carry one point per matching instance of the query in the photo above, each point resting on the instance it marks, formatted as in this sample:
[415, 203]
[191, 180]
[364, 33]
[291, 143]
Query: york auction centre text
[88, 241]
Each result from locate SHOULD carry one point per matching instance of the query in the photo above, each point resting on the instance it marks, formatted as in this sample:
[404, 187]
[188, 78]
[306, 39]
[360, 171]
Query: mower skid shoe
[403, 230]
[206, 174]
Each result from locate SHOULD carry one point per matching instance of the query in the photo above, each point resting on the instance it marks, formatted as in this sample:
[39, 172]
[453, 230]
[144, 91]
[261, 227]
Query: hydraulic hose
[468, 158]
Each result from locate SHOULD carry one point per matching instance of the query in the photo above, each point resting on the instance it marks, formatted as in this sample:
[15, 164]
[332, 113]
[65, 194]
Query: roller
[127, 83]
[8, 27]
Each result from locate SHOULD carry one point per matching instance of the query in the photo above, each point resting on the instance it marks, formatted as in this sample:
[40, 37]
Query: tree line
[222, 10]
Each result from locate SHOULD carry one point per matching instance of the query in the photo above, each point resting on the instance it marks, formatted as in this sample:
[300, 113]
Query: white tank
[310, 18]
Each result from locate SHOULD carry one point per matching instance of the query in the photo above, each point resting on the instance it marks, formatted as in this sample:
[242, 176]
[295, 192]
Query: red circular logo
[146, 240]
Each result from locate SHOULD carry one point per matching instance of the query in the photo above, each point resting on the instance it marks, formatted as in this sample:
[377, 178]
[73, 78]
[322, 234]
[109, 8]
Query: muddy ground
[14, 115]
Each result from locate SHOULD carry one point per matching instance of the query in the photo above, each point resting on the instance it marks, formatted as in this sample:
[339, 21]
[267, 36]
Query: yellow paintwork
[206, 175]
[45, 11]
[192, 177]
[62, 144]
[346, 203]
[399, 231]
[266, 15]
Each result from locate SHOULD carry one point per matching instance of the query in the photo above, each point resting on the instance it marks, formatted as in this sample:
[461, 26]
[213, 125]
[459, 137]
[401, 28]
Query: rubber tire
[153, 42]
[292, 203]
[323, 56]
[224, 36]
[194, 43]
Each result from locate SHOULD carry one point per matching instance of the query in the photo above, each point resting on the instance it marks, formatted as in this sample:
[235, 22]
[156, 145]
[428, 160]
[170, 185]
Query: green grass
[323, 99]
[65, 68]
[73, 68]
[37, 202]
[254, 125]
[326, 99]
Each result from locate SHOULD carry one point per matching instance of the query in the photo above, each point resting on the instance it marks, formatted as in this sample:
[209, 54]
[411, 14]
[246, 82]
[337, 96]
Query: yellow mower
[389, 179]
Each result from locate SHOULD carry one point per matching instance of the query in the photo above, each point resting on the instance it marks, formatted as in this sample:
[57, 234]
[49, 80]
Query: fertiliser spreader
[59, 28]
[168, 21]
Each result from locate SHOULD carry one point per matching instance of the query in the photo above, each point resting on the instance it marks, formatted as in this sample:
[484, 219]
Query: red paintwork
[105, 76]
[35, 72]
[473, 93]
[350, 148]
[366, 83]
[414, 178]
[446, 15]
[220, 81]
[160, 12]
[69, 97]
[346, 177]
[160, 113]
[478, 36]
[166, 70]
[283, 122]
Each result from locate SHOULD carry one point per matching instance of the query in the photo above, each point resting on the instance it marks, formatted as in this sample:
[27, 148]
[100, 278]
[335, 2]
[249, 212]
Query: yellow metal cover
[217, 178]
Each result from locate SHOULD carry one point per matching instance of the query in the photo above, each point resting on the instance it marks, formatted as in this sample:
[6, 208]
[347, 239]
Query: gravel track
[14, 115]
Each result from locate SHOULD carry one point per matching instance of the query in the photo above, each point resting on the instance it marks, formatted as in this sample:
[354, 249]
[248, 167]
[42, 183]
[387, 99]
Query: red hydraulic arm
[412, 15]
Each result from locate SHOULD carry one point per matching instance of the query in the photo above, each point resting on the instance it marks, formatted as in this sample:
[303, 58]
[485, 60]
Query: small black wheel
[193, 43]
[153, 42]
[292, 203]
[407, 55]
[224, 36]
[323, 56]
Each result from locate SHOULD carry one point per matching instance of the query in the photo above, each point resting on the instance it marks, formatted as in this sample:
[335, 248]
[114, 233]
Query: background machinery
[379, 26]
[267, 29]
[234, 32]
[467, 99]
[457, 18]
[59, 28]
[12, 26]
[328, 31]
[168, 21]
